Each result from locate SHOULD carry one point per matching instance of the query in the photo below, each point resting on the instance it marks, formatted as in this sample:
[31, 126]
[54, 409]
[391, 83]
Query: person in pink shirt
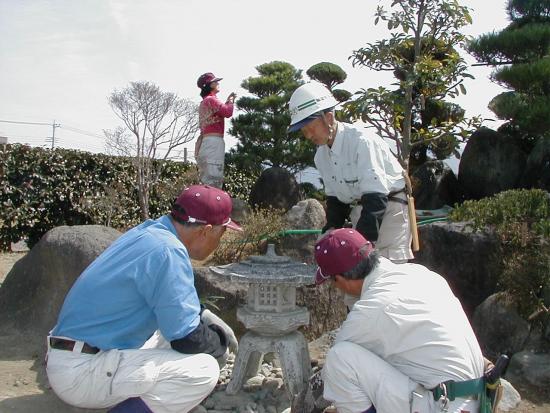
[210, 146]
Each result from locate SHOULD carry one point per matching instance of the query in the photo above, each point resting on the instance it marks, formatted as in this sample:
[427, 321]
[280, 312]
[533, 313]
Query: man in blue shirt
[131, 330]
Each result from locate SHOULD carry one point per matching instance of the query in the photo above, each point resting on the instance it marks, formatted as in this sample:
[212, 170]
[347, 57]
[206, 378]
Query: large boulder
[491, 163]
[537, 170]
[35, 288]
[499, 328]
[326, 308]
[533, 368]
[469, 261]
[434, 186]
[308, 214]
[275, 188]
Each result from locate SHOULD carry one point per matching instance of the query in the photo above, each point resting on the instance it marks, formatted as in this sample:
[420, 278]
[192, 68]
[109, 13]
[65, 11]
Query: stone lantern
[272, 319]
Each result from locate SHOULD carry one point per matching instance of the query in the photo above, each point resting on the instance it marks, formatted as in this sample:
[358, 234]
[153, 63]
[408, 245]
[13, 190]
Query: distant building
[3, 140]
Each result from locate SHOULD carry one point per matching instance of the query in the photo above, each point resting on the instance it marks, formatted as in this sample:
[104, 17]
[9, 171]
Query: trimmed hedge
[42, 189]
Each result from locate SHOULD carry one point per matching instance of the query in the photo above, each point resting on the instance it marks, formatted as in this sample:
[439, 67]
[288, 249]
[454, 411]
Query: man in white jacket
[403, 340]
[362, 177]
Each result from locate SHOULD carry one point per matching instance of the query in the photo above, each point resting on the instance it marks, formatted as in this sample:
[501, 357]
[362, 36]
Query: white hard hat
[307, 101]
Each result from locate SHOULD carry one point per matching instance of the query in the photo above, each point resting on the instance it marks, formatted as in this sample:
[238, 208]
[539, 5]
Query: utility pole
[54, 125]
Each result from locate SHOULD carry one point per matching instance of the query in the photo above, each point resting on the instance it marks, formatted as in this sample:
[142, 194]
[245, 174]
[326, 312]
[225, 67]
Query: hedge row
[41, 189]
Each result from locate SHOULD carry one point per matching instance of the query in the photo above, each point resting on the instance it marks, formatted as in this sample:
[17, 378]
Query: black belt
[64, 344]
[392, 197]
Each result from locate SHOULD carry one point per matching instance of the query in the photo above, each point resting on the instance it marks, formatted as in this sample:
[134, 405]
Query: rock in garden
[35, 288]
[537, 170]
[470, 261]
[276, 188]
[510, 397]
[498, 327]
[491, 163]
[308, 214]
[531, 367]
[434, 186]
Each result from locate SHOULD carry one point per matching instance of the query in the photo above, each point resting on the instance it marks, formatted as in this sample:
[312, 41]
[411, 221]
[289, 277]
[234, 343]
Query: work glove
[209, 318]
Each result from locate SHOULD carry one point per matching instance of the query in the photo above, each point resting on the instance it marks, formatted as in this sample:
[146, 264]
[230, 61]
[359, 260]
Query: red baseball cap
[204, 204]
[207, 78]
[339, 251]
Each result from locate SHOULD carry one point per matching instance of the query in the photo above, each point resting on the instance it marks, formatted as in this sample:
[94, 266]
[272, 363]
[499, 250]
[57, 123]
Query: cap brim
[216, 79]
[232, 225]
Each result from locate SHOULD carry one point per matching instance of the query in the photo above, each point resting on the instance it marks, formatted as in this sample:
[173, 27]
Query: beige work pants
[210, 160]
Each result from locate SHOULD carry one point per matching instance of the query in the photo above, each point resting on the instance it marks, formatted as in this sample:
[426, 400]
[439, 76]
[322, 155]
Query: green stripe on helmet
[306, 104]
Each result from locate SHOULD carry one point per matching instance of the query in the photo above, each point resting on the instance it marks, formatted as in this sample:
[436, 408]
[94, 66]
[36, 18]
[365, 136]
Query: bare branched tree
[156, 124]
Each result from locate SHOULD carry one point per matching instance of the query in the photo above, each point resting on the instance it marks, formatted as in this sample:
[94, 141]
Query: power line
[82, 132]
[25, 123]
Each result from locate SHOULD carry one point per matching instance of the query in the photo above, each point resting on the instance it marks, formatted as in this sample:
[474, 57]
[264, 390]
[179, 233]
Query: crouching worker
[402, 340]
[132, 333]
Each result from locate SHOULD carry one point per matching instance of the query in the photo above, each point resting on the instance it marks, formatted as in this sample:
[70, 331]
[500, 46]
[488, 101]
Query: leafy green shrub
[521, 218]
[260, 226]
[309, 190]
[41, 189]
[237, 183]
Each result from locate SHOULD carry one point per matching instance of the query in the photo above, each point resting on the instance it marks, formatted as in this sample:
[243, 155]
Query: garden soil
[24, 387]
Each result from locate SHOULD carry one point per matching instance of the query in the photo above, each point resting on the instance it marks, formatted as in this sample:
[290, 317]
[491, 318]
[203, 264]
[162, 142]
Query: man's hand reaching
[210, 318]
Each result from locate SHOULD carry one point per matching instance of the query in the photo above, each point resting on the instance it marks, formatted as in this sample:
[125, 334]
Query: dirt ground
[24, 387]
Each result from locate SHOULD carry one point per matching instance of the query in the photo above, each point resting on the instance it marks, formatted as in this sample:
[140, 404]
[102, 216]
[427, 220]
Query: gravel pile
[263, 393]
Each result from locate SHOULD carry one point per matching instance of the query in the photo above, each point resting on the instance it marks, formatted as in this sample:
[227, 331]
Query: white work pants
[167, 381]
[210, 160]
[355, 379]
[394, 234]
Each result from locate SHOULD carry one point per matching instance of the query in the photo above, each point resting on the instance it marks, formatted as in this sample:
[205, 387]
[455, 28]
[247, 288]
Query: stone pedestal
[292, 351]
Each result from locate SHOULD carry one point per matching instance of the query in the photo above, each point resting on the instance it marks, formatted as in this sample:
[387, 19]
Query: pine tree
[262, 129]
[520, 54]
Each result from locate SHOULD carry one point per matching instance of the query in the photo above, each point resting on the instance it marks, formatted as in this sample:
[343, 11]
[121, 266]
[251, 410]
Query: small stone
[272, 384]
[510, 397]
[255, 381]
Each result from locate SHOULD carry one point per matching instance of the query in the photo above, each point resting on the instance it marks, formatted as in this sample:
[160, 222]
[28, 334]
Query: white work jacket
[408, 316]
[357, 164]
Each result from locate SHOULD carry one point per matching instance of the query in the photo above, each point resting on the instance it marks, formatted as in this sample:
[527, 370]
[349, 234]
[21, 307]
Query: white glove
[222, 360]
[210, 318]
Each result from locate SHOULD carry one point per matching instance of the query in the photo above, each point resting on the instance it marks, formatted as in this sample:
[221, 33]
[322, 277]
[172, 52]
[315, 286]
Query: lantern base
[293, 353]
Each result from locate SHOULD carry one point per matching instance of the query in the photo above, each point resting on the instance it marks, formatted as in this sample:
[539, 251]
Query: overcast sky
[60, 59]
